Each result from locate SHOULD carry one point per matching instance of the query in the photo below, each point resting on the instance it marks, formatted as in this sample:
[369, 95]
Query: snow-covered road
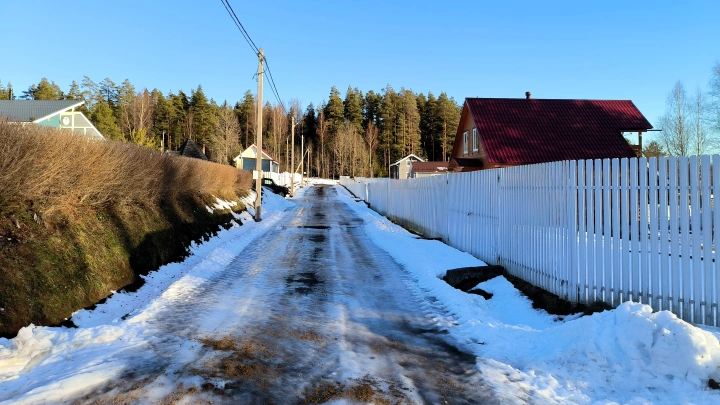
[310, 310]
[325, 301]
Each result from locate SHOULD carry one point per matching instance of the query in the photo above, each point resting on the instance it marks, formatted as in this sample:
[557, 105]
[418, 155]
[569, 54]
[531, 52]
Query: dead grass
[80, 217]
[62, 169]
[364, 390]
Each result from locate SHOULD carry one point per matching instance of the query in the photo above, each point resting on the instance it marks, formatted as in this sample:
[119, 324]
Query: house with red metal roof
[426, 169]
[248, 158]
[501, 132]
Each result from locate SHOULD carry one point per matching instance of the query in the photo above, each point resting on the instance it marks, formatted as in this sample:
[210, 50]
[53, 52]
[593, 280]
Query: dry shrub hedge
[61, 169]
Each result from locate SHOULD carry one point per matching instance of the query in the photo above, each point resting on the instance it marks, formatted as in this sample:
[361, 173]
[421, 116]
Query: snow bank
[220, 204]
[628, 355]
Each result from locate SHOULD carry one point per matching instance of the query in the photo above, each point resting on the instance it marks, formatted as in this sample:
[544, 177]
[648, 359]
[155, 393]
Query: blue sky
[556, 49]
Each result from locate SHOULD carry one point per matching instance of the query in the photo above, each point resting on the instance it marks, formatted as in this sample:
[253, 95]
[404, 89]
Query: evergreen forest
[358, 134]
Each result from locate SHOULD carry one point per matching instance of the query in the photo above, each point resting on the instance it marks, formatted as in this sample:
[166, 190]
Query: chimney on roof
[527, 95]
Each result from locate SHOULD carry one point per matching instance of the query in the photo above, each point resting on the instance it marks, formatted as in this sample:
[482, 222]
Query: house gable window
[465, 143]
[475, 140]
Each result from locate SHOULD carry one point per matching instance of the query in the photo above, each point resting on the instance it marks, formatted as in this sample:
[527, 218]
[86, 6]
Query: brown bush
[60, 169]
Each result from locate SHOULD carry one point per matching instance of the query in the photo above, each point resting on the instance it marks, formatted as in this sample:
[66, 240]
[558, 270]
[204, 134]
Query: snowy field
[628, 356]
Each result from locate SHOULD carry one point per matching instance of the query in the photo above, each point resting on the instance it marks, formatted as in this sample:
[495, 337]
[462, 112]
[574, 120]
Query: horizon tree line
[358, 135]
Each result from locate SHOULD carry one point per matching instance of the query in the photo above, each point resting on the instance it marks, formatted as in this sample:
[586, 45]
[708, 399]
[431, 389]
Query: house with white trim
[60, 114]
[246, 160]
[401, 168]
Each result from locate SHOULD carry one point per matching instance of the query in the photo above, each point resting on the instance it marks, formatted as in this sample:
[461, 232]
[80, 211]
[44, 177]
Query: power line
[255, 49]
[273, 87]
[240, 27]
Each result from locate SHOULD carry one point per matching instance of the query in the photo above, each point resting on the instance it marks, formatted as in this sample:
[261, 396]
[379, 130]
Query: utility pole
[292, 162]
[302, 158]
[258, 142]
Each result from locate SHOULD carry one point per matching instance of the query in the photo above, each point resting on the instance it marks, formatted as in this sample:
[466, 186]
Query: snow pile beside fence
[628, 355]
[613, 230]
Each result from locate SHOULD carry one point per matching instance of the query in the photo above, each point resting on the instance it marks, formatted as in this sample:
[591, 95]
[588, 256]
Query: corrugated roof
[525, 131]
[31, 110]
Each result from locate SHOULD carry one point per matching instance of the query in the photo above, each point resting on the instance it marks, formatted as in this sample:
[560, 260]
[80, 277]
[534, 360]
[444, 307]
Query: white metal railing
[602, 230]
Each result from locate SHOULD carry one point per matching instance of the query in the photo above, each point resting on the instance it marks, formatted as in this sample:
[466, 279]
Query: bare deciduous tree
[227, 129]
[675, 137]
[371, 137]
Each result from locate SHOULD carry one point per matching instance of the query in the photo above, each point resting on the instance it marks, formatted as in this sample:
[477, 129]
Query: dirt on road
[309, 313]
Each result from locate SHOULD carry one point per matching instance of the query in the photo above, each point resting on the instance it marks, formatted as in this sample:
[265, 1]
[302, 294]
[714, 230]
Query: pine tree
[45, 90]
[310, 123]
[4, 93]
[411, 124]
[447, 119]
[74, 93]
[203, 117]
[109, 92]
[104, 120]
[163, 116]
[245, 112]
[353, 109]
[334, 111]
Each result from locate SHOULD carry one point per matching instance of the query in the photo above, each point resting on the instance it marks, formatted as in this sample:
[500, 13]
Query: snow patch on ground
[91, 355]
[629, 355]
[221, 204]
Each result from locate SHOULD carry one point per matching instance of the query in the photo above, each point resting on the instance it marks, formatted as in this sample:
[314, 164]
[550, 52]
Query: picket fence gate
[589, 230]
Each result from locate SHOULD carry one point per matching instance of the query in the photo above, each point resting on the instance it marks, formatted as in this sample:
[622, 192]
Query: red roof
[524, 131]
[428, 167]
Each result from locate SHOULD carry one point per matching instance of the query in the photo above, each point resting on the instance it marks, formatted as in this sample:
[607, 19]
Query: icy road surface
[309, 311]
[326, 301]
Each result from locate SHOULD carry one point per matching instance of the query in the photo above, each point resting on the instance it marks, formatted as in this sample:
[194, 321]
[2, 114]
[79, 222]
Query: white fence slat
[616, 234]
[707, 263]
[582, 234]
[653, 239]
[695, 280]
[675, 272]
[607, 234]
[625, 231]
[664, 278]
[633, 293]
[686, 262]
[716, 244]
[644, 276]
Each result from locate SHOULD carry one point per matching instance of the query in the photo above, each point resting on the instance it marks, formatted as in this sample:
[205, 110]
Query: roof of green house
[32, 110]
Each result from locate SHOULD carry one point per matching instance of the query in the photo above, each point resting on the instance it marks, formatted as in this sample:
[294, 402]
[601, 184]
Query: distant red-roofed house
[427, 169]
[247, 160]
[501, 132]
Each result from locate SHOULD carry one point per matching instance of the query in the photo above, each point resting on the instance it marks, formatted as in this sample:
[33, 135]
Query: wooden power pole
[292, 159]
[258, 141]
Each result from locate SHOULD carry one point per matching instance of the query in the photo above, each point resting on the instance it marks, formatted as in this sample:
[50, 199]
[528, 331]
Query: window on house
[465, 143]
[475, 140]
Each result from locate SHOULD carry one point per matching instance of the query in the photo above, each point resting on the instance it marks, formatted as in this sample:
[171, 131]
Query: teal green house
[60, 114]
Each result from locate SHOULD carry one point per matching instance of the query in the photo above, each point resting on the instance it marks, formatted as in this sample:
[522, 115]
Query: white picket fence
[603, 230]
[282, 179]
